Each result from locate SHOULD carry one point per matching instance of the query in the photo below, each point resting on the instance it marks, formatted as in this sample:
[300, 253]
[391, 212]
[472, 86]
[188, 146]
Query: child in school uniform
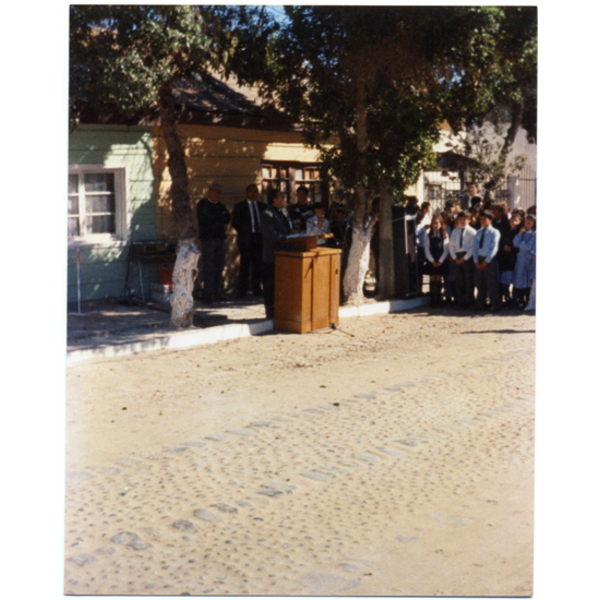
[501, 221]
[436, 252]
[318, 224]
[524, 273]
[460, 249]
[474, 220]
[507, 258]
[485, 249]
[531, 304]
[423, 225]
[449, 220]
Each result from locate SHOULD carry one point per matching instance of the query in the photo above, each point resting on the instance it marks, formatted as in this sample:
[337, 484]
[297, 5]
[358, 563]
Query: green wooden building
[111, 203]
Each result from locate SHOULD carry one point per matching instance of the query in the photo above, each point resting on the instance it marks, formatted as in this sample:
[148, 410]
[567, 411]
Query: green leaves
[121, 55]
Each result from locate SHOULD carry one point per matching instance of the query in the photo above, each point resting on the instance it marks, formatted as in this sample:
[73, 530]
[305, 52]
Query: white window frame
[122, 218]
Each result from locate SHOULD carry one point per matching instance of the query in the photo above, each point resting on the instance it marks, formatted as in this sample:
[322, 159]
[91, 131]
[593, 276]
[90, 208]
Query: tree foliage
[121, 56]
[381, 80]
[510, 82]
[124, 62]
[378, 82]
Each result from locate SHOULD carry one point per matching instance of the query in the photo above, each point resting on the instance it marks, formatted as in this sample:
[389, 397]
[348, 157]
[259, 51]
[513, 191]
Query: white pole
[78, 258]
[78, 290]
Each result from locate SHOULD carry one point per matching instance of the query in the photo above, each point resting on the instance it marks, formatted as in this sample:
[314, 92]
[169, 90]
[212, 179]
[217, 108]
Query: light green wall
[104, 268]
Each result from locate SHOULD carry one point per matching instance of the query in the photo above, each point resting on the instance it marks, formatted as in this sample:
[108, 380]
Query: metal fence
[518, 191]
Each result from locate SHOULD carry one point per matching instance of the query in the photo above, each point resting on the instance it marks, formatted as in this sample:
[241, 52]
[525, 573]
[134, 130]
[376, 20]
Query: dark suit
[249, 244]
[299, 214]
[275, 228]
[470, 202]
[213, 218]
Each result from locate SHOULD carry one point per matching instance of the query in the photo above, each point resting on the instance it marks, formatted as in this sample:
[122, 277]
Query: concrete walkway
[108, 328]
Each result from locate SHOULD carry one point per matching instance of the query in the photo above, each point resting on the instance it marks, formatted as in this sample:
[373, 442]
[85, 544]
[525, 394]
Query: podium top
[303, 242]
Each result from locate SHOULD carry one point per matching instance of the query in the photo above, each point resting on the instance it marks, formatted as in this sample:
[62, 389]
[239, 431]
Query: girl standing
[423, 225]
[501, 221]
[524, 273]
[507, 258]
[436, 252]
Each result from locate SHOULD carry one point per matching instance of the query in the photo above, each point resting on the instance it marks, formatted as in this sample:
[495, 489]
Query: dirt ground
[393, 456]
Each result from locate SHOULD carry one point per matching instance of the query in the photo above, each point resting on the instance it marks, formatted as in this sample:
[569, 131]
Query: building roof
[208, 100]
[205, 100]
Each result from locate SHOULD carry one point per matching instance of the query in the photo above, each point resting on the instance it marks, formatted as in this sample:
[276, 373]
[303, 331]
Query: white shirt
[422, 230]
[313, 228]
[464, 235]
[254, 215]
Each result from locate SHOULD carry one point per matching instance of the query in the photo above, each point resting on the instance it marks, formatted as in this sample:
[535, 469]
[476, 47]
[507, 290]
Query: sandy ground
[391, 457]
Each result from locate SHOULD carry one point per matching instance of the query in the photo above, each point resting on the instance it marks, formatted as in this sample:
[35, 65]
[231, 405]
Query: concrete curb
[221, 333]
[381, 308]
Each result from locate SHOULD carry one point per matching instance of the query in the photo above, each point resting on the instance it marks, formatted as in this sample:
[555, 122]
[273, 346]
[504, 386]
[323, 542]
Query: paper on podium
[304, 242]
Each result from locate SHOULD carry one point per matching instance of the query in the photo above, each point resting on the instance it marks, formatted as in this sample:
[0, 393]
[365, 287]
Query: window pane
[101, 224]
[73, 183]
[99, 182]
[299, 174]
[73, 226]
[73, 205]
[100, 203]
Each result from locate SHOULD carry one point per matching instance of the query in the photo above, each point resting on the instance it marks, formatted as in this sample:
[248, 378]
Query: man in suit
[275, 228]
[213, 218]
[473, 198]
[245, 219]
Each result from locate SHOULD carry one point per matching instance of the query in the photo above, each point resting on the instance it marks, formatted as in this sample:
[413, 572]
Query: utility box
[160, 292]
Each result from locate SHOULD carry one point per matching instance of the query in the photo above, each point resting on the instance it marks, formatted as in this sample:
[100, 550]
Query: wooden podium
[307, 286]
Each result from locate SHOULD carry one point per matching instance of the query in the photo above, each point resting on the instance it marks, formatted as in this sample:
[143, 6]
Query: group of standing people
[474, 252]
[484, 253]
[261, 228]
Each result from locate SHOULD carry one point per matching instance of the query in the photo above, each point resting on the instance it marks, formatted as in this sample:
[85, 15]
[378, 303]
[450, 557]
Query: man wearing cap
[213, 218]
[485, 249]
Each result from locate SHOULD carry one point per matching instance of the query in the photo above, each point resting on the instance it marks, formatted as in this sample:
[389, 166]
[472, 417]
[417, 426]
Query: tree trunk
[385, 276]
[186, 263]
[509, 140]
[358, 264]
[362, 230]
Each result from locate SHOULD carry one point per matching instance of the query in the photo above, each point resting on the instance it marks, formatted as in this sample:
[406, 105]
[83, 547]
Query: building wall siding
[232, 157]
[103, 267]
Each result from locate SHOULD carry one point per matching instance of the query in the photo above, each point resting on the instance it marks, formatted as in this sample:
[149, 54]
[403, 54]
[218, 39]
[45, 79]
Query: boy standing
[485, 248]
[461, 256]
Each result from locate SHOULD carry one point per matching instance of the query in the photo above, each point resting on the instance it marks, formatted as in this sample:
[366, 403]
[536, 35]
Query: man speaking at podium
[275, 227]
